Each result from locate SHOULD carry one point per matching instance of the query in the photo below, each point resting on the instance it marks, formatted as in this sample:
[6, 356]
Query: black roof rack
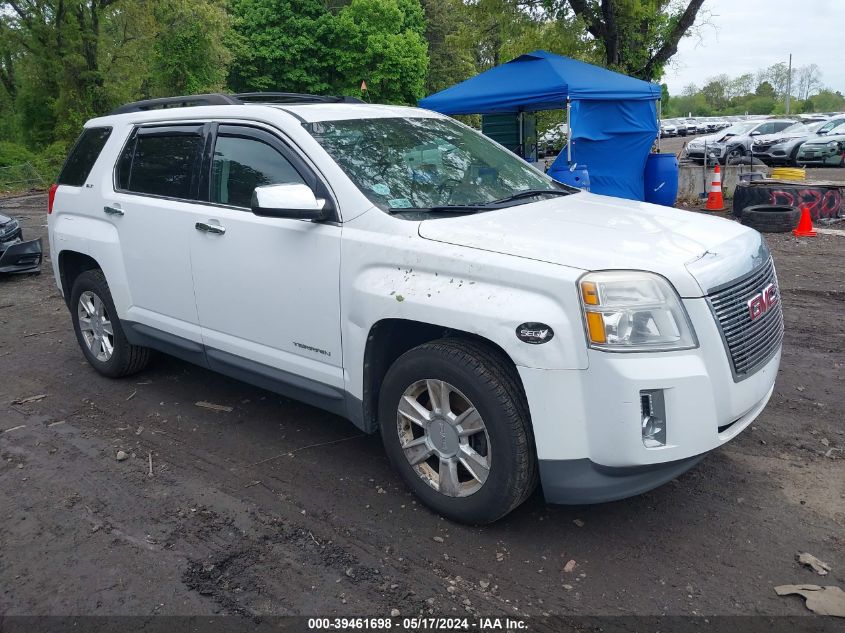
[224, 99]
[292, 97]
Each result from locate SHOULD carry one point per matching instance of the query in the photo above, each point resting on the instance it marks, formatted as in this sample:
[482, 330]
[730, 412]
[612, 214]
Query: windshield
[421, 163]
[740, 128]
[800, 127]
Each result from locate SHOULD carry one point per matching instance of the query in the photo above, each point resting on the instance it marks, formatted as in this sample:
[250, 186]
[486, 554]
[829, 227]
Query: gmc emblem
[759, 304]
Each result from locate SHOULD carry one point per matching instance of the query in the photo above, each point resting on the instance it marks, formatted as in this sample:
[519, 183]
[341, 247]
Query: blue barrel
[577, 177]
[661, 179]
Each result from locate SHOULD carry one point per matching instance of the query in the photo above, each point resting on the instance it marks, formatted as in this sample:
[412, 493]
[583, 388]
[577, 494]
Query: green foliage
[754, 94]
[188, 55]
[276, 45]
[636, 37]
[381, 42]
[65, 61]
[828, 101]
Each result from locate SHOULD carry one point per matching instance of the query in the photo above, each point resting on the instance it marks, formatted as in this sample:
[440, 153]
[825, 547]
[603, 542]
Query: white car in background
[734, 142]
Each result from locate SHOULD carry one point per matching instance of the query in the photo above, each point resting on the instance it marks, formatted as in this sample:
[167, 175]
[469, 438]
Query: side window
[161, 162]
[241, 164]
[82, 157]
[781, 125]
[765, 128]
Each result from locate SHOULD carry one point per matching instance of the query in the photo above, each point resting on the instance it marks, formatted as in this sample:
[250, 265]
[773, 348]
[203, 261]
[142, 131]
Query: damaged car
[16, 255]
[828, 151]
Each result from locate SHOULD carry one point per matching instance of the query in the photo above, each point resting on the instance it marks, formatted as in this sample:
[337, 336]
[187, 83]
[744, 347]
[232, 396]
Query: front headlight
[833, 145]
[633, 311]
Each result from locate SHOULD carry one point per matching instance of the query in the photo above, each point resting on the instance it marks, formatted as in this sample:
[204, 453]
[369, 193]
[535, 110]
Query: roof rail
[176, 102]
[292, 97]
[224, 99]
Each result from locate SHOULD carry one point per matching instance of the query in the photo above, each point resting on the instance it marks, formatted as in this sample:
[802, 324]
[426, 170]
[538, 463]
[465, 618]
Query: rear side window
[82, 157]
[162, 162]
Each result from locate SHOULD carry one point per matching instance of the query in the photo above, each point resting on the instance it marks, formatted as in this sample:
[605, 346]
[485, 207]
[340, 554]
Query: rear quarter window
[83, 155]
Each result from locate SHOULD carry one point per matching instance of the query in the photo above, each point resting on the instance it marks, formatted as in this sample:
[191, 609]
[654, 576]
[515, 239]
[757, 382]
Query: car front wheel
[455, 425]
[99, 331]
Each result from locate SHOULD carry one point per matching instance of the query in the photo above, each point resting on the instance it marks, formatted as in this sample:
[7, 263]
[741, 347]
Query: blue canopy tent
[612, 118]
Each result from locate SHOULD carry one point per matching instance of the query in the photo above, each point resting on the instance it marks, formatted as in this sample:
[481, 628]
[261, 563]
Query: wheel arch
[71, 265]
[387, 340]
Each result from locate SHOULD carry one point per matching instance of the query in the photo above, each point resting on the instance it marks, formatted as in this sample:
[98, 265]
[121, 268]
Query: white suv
[395, 267]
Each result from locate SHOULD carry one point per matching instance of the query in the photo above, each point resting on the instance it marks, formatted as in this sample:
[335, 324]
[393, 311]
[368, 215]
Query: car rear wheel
[99, 331]
[455, 425]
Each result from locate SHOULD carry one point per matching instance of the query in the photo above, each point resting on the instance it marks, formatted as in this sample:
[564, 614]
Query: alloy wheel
[444, 438]
[95, 325]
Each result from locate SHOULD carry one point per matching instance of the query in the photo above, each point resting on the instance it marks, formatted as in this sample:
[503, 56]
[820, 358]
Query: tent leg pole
[568, 131]
[659, 120]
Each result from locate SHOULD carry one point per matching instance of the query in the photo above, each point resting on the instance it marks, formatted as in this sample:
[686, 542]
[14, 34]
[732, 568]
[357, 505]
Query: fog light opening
[653, 418]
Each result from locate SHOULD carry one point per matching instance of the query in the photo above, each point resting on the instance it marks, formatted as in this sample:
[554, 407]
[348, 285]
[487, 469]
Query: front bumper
[587, 423]
[820, 157]
[20, 257]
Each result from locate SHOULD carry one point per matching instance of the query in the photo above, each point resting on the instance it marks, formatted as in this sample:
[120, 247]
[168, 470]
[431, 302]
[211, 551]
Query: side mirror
[755, 133]
[290, 200]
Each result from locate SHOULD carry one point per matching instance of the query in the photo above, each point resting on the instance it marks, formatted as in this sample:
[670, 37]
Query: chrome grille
[749, 343]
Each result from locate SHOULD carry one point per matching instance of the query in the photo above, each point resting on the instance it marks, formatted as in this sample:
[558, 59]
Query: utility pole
[788, 83]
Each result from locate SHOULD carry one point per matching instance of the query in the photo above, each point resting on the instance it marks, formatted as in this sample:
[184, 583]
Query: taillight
[51, 196]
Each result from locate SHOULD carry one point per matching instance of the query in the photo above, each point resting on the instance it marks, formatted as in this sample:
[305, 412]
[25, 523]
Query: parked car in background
[782, 147]
[735, 141]
[552, 141]
[824, 150]
[16, 255]
[668, 129]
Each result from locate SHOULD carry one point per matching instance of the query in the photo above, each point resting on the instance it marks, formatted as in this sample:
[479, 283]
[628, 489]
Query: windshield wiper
[529, 193]
[444, 208]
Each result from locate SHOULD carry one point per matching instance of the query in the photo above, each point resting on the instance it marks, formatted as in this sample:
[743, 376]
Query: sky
[740, 36]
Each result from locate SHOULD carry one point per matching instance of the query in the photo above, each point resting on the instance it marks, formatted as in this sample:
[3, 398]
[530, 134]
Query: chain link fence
[20, 178]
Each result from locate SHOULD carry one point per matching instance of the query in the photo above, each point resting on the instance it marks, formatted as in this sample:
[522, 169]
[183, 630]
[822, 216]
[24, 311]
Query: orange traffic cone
[715, 202]
[805, 224]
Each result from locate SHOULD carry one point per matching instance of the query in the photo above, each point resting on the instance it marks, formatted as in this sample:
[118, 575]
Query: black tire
[126, 359]
[771, 218]
[488, 379]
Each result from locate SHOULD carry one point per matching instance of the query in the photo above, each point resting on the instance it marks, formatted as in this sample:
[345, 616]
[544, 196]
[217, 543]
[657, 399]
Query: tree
[808, 80]
[188, 54]
[276, 45]
[740, 86]
[714, 93]
[828, 101]
[637, 37]
[765, 89]
[381, 42]
[450, 61]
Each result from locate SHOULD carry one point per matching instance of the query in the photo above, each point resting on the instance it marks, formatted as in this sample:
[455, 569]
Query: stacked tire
[771, 218]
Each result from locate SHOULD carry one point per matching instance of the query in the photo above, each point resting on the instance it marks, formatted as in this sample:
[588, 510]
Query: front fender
[486, 294]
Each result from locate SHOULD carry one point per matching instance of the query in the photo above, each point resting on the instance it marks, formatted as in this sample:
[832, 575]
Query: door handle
[210, 228]
[112, 210]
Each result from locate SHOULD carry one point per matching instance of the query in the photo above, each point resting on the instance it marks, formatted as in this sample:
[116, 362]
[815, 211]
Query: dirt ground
[279, 508]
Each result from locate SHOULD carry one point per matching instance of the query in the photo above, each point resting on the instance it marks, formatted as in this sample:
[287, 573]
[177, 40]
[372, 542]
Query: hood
[710, 138]
[770, 138]
[824, 139]
[593, 232]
